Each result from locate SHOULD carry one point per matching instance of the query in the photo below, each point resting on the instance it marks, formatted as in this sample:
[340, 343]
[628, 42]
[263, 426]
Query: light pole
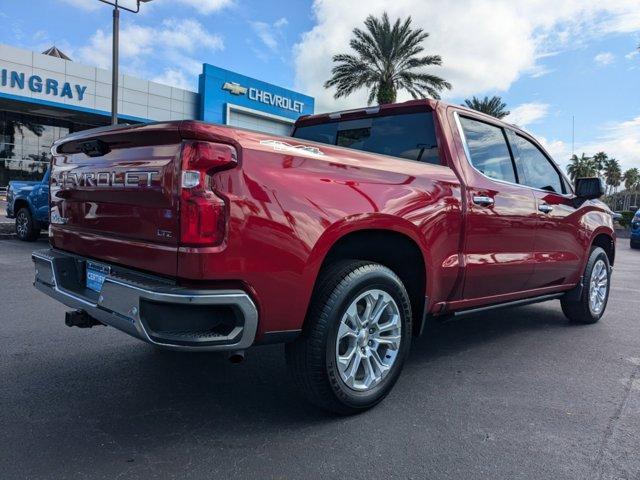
[117, 5]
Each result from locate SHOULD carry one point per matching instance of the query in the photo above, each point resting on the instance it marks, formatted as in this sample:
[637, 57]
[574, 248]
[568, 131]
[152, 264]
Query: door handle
[544, 208]
[483, 201]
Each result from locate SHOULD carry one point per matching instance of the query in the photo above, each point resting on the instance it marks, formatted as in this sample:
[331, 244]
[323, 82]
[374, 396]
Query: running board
[513, 303]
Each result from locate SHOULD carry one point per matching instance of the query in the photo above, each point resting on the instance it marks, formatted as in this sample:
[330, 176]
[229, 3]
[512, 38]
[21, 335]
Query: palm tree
[493, 106]
[631, 179]
[581, 167]
[613, 173]
[600, 159]
[386, 60]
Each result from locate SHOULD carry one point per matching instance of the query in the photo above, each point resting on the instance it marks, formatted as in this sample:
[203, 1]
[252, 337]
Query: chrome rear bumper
[124, 295]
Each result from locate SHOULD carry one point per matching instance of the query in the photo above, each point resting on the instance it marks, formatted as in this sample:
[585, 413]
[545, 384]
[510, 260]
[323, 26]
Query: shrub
[625, 221]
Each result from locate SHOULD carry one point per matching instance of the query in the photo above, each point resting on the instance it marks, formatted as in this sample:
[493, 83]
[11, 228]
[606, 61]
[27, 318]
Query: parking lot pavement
[516, 393]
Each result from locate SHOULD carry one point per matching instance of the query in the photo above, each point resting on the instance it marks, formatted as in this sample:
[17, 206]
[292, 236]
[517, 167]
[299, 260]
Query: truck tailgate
[114, 195]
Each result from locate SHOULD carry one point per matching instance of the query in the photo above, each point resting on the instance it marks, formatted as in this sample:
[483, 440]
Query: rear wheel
[592, 303]
[356, 339]
[27, 228]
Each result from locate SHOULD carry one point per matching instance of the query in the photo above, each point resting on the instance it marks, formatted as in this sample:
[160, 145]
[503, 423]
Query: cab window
[535, 169]
[411, 136]
[488, 149]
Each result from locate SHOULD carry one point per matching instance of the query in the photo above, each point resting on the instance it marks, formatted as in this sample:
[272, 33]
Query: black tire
[580, 310]
[312, 357]
[27, 229]
[635, 244]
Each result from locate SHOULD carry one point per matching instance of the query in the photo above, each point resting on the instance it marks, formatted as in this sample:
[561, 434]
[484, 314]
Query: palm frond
[386, 59]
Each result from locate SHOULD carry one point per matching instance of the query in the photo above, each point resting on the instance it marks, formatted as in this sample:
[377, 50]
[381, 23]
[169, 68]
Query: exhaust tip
[236, 357]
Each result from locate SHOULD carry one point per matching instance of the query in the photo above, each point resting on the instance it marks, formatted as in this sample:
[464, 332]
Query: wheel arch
[396, 247]
[19, 203]
[606, 241]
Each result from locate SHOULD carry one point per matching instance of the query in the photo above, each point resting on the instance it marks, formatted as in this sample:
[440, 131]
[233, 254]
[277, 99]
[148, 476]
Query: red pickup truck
[341, 242]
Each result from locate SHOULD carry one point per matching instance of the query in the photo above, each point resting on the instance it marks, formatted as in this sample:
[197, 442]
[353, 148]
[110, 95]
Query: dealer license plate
[96, 275]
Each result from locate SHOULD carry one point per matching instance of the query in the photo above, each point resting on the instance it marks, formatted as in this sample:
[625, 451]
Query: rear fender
[362, 222]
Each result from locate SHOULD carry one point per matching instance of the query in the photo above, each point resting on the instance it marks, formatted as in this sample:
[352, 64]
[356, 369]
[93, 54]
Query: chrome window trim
[467, 153]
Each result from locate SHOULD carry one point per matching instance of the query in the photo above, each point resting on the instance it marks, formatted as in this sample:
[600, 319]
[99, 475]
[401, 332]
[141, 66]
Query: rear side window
[535, 169]
[488, 149]
[411, 136]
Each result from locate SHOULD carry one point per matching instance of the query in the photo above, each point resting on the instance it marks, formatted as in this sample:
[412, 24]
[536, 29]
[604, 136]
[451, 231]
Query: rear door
[501, 215]
[557, 247]
[114, 195]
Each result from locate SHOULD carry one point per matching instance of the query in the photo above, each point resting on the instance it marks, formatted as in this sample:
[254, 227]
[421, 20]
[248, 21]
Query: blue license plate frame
[95, 275]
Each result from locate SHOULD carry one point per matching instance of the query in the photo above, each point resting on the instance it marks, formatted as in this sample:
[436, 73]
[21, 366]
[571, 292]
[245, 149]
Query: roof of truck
[411, 105]
[405, 107]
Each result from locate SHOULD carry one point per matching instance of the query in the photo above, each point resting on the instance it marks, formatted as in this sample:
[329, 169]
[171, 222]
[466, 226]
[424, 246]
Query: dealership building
[45, 96]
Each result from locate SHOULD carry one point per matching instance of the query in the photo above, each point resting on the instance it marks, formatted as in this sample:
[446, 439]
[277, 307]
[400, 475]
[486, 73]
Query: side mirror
[589, 188]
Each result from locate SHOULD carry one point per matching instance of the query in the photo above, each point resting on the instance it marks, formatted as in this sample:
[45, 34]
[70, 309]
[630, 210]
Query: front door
[501, 215]
[557, 249]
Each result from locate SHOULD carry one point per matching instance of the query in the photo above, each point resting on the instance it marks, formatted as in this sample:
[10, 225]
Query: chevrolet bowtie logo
[234, 88]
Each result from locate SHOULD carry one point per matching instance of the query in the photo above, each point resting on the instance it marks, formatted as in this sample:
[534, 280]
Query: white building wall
[138, 98]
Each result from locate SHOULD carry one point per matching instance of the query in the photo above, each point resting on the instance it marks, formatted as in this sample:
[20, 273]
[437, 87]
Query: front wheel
[356, 338]
[27, 229]
[592, 303]
[635, 244]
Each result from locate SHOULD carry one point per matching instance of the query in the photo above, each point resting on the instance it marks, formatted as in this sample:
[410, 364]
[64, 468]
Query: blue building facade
[231, 98]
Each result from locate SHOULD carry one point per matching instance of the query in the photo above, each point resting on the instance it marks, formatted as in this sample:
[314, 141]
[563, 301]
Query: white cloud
[527, 113]
[270, 34]
[620, 140]
[632, 55]
[175, 78]
[206, 6]
[492, 45]
[83, 4]
[172, 41]
[604, 58]
[90, 5]
[187, 35]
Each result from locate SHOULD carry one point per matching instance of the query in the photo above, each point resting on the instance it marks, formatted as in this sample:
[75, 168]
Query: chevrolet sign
[262, 96]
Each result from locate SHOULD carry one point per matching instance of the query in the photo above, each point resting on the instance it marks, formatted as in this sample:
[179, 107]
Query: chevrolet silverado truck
[342, 241]
[28, 203]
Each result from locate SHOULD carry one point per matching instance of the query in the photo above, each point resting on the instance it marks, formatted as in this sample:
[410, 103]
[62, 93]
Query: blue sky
[549, 59]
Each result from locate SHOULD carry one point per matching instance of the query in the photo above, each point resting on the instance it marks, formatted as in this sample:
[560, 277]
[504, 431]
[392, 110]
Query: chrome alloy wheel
[22, 224]
[598, 286]
[368, 340]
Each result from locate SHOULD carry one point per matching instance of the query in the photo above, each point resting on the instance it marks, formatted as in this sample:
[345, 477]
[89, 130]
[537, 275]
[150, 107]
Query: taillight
[203, 214]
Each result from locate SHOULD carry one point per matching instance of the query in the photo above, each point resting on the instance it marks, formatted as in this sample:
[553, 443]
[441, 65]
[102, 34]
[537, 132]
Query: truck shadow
[128, 398]
[457, 335]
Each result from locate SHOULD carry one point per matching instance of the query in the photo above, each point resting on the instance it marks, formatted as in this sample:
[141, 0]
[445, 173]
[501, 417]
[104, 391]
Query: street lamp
[117, 5]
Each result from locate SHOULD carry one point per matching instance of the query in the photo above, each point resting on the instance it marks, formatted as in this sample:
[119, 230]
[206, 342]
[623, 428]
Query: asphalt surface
[517, 393]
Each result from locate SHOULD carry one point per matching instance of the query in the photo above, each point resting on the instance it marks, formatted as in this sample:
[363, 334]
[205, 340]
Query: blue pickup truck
[28, 203]
[635, 230]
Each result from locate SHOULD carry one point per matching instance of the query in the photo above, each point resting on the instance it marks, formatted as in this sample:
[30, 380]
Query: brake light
[203, 214]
